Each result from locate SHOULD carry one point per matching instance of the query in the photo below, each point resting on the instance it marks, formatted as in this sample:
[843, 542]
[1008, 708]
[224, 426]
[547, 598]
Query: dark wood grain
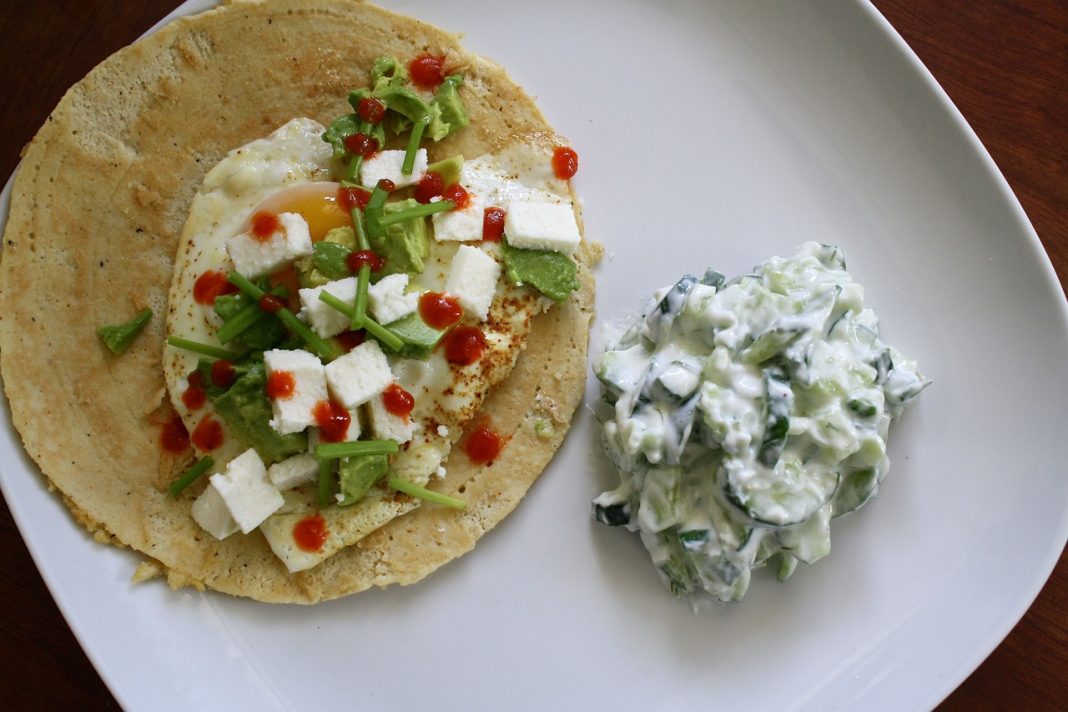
[1005, 65]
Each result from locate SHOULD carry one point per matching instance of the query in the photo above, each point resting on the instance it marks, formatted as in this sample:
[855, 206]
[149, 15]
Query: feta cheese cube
[542, 226]
[387, 164]
[210, 512]
[320, 316]
[247, 492]
[473, 279]
[359, 375]
[460, 225]
[254, 257]
[388, 301]
[294, 471]
[385, 425]
[295, 411]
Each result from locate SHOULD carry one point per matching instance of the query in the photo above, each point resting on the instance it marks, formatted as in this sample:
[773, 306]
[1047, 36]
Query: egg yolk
[315, 202]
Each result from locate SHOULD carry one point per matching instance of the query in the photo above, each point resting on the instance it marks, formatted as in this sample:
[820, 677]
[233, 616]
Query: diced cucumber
[781, 496]
[810, 540]
[858, 486]
[778, 402]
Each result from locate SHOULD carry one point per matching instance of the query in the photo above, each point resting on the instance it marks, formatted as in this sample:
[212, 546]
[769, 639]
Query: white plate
[709, 134]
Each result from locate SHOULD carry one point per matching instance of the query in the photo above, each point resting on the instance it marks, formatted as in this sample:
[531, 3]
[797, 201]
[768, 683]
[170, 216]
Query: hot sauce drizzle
[425, 71]
[464, 345]
[194, 396]
[398, 401]
[439, 311]
[264, 225]
[351, 339]
[209, 285]
[223, 373]
[493, 224]
[310, 533]
[208, 434]
[429, 186]
[457, 195]
[483, 444]
[565, 162]
[355, 260]
[280, 384]
[352, 198]
[333, 421]
[173, 436]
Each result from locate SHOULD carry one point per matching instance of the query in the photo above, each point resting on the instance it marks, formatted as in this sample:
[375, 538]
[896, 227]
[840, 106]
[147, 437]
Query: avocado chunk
[551, 273]
[327, 261]
[451, 114]
[265, 330]
[404, 245]
[357, 475]
[448, 168]
[246, 411]
[419, 338]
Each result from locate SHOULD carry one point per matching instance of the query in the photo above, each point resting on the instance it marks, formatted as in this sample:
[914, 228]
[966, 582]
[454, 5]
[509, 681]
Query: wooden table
[1004, 64]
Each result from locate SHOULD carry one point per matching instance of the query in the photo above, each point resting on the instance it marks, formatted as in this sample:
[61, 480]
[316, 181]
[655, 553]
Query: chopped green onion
[359, 305]
[359, 228]
[199, 348]
[324, 483]
[331, 451]
[190, 476]
[375, 329]
[237, 324]
[413, 145]
[419, 211]
[353, 172]
[118, 337]
[377, 199]
[423, 493]
[318, 344]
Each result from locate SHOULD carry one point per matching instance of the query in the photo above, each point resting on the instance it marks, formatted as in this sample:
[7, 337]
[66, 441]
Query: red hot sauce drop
[493, 224]
[333, 421]
[280, 384]
[194, 396]
[398, 401]
[464, 345]
[565, 162]
[439, 310]
[429, 186]
[222, 373]
[264, 225]
[310, 533]
[483, 445]
[208, 434]
[425, 71]
[173, 436]
[209, 285]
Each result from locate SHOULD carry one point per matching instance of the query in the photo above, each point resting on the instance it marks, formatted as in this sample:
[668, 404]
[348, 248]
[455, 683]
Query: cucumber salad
[744, 415]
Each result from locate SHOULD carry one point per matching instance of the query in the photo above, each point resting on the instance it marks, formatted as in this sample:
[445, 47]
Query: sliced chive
[377, 199]
[190, 476]
[359, 304]
[352, 174]
[413, 145]
[373, 212]
[373, 328]
[359, 227]
[387, 337]
[423, 493]
[332, 451]
[199, 348]
[419, 211]
[239, 322]
[317, 343]
[325, 484]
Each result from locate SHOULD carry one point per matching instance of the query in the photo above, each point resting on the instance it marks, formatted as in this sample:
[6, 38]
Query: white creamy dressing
[745, 414]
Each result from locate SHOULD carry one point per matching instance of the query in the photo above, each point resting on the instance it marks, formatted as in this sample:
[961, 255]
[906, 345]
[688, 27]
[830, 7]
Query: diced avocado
[403, 101]
[246, 411]
[264, 332]
[342, 127]
[330, 253]
[388, 71]
[404, 245]
[117, 337]
[419, 338]
[551, 273]
[358, 475]
[451, 115]
[448, 168]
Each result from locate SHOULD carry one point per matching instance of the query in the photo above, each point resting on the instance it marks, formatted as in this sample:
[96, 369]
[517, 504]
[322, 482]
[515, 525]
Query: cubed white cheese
[385, 425]
[473, 279]
[254, 257]
[295, 412]
[387, 164]
[359, 375]
[460, 225]
[542, 226]
[321, 317]
[388, 301]
[210, 512]
[247, 492]
[294, 471]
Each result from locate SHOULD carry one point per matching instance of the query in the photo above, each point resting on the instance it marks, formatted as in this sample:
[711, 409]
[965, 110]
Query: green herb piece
[317, 343]
[413, 145]
[191, 475]
[325, 484]
[335, 135]
[372, 327]
[329, 258]
[246, 323]
[863, 408]
[423, 493]
[330, 451]
[419, 211]
[247, 412]
[357, 475]
[359, 304]
[551, 273]
[118, 337]
[199, 348]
